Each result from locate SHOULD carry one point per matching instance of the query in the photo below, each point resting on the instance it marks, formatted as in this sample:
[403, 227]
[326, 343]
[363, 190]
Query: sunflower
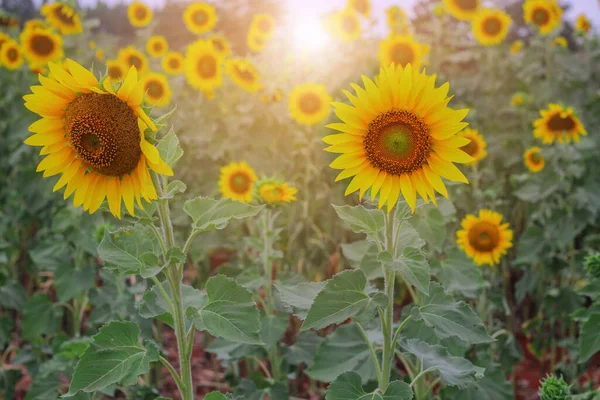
[41, 46]
[560, 41]
[157, 46]
[516, 47]
[92, 45]
[465, 10]
[199, 17]
[4, 38]
[256, 43]
[439, 10]
[476, 146]
[10, 55]
[582, 25]
[99, 54]
[131, 57]
[115, 70]
[518, 99]
[203, 67]
[362, 7]
[263, 25]
[558, 123]
[37, 70]
[139, 14]
[35, 24]
[272, 97]
[62, 17]
[534, 159]
[309, 103]
[273, 192]
[490, 26]
[221, 45]
[399, 136]
[244, 74]
[94, 136]
[157, 90]
[345, 25]
[485, 239]
[402, 50]
[545, 14]
[237, 181]
[396, 18]
[172, 63]
[8, 21]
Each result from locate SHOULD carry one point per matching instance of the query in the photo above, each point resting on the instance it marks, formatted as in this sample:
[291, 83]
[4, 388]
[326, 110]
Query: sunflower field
[231, 200]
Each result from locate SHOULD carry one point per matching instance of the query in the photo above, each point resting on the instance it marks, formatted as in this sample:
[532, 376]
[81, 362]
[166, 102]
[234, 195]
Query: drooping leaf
[71, 281]
[348, 386]
[529, 246]
[208, 213]
[361, 219]
[174, 188]
[430, 224]
[299, 297]
[40, 317]
[44, 388]
[407, 237]
[363, 254]
[589, 339]
[131, 250]
[6, 327]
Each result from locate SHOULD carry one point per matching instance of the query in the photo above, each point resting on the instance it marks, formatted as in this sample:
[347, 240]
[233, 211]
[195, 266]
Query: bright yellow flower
[221, 45]
[62, 17]
[309, 103]
[40, 46]
[10, 55]
[582, 25]
[115, 70]
[203, 67]
[8, 21]
[490, 26]
[172, 63]
[255, 42]
[157, 46]
[463, 9]
[273, 192]
[262, 25]
[402, 50]
[476, 147]
[36, 70]
[99, 54]
[485, 239]
[518, 99]
[33, 24]
[272, 97]
[398, 137]
[95, 138]
[439, 10]
[4, 38]
[132, 57]
[139, 14]
[362, 7]
[157, 89]
[560, 41]
[237, 181]
[545, 14]
[396, 18]
[92, 45]
[244, 74]
[516, 47]
[200, 17]
[345, 25]
[558, 123]
[534, 160]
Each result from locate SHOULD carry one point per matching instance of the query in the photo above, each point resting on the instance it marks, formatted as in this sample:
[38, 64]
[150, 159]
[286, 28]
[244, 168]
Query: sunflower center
[541, 16]
[560, 124]
[135, 61]
[265, 26]
[206, 66]
[239, 182]
[470, 148]
[12, 55]
[173, 63]
[157, 46]
[402, 54]
[349, 24]
[470, 5]
[536, 157]
[360, 6]
[104, 132]
[397, 142]
[155, 89]
[309, 103]
[114, 72]
[484, 236]
[492, 26]
[62, 14]
[140, 13]
[200, 17]
[218, 45]
[42, 45]
[244, 74]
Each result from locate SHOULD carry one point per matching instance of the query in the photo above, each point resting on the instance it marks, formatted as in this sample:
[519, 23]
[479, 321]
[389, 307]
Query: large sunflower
[263, 25]
[490, 26]
[10, 55]
[237, 181]
[463, 9]
[199, 17]
[203, 67]
[362, 7]
[40, 46]
[157, 46]
[345, 25]
[402, 50]
[244, 74]
[131, 57]
[157, 89]
[309, 103]
[94, 137]
[62, 17]
[221, 45]
[582, 25]
[485, 239]
[139, 14]
[476, 147]
[534, 160]
[558, 123]
[398, 137]
[545, 14]
[172, 63]
[115, 70]
[274, 192]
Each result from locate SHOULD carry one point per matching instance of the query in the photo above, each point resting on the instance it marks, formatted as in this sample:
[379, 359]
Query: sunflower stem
[388, 316]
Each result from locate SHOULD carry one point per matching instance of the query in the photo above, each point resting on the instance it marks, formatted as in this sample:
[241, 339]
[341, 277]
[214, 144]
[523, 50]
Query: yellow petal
[408, 191]
[446, 169]
[127, 189]
[160, 167]
[83, 77]
[150, 151]
[113, 195]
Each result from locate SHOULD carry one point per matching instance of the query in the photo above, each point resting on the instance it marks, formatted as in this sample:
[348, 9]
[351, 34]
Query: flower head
[309, 103]
[490, 26]
[553, 388]
[274, 192]
[484, 238]
[463, 9]
[139, 14]
[62, 17]
[237, 181]
[544, 14]
[534, 160]
[199, 17]
[558, 123]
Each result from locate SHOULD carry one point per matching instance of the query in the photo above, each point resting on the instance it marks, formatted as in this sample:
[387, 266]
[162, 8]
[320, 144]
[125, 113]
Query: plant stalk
[388, 316]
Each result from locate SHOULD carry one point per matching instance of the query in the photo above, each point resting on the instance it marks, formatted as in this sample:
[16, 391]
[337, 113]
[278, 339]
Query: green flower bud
[592, 265]
[554, 388]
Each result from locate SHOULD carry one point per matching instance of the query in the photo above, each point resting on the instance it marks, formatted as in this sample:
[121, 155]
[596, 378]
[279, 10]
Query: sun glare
[309, 35]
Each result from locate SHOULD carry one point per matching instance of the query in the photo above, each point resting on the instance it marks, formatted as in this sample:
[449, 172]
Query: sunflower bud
[553, 388]
[592, 265]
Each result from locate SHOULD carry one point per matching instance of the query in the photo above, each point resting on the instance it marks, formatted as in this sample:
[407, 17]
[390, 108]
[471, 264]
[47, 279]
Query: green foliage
[348, 386]
[592, 265]
[553, 388]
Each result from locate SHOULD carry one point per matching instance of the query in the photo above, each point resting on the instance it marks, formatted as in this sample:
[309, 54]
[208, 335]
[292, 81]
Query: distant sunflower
[41, 46]
[396, 19]
[115, 70]
[244, 74]
[94, 137]
[203, 67]
[273, 192]
[256, 43]
[8, 21]
[309, 103]
[463, 9]
[263, 25]
[485, 239]
[132, 57]
[439, 10]
[558, 123]
[560, 41]
[518, 100]
[346, 25]
[157, 46]
[92, 45]
[362, 7]
[516, 47]
[157, 89]
[534, 160]
[490, 26]
[237, 181]
[99, 54]
[139, 14]
[62, 17]
[402, 50]
[545, 14]
[272, 97]
[398, 137]
[35, 24]
[4, 38]
[221, 45]
[199, 17]
[476, 147]
[582, 25]
[10, 55]
[172, 63]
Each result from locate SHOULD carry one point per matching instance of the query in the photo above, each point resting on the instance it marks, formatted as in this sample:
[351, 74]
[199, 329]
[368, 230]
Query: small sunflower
[582, 25]
[92, 45]
[62, 17]
[35, 24]
[256, 43]
[131, 57]
[99, 54]
[534, 159]
[10, 55]
[139, 14]
[362, 7]
[157, 46]
[221, 45]
[40, 46]
[402, 50]
[396, 18]
[262, 25]
[345, 25]
[558, 123]
[115, 70]
[398, 137]
[465, 10]
[200, 17]
[8, 21]
[272, 97]
[203, 67]
[273, 192]
[560, 41]
[244, 74]
[237, 181]
[157, 90]
[476, 147]
[172, 63]
[518, 99]
[545, 14]
[485, 239]
[94, 136]
[439, 10]
[490, 26]
[309, 103]
[516, 47]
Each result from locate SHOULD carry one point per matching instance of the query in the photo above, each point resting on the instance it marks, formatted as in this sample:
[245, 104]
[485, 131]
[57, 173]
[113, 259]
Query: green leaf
[273, 328]
[589, 340]
[413, 266]
[153, 304]
[460, 274]
[348, 386]
[169, 148]
[363, 254]
[430, 224]
[215, 396]
[229, 313]
[174, 188]
[299, 297]
[493, 386]
[44, 388]
[530, 245]
[232, 351]
[304, 350]
[361, 219]
[209, 214]
[6, 327]
[13, 296]
[131, 250]
[407, 237]
[115, 356]
[454, 371]
[41, 317]
[71, 281]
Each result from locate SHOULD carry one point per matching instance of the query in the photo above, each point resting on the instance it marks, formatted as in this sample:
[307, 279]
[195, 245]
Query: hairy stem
[388, 316]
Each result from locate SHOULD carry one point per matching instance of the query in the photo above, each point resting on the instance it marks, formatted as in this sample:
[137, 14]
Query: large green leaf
[429, 222]
[153, 304]
[41, 317]
[273, 328]
[530, 244]
[460, 274]
[348, 386]
[589, 339]
[169, 148]
[413, 266]
[493, 386]
[304, 350]
[71, 281]
[361, 219]
[299, 297]
[363, 254]
[229, 313]
[6, 327]
[13, 296]
[209, 214]
[114, 356]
